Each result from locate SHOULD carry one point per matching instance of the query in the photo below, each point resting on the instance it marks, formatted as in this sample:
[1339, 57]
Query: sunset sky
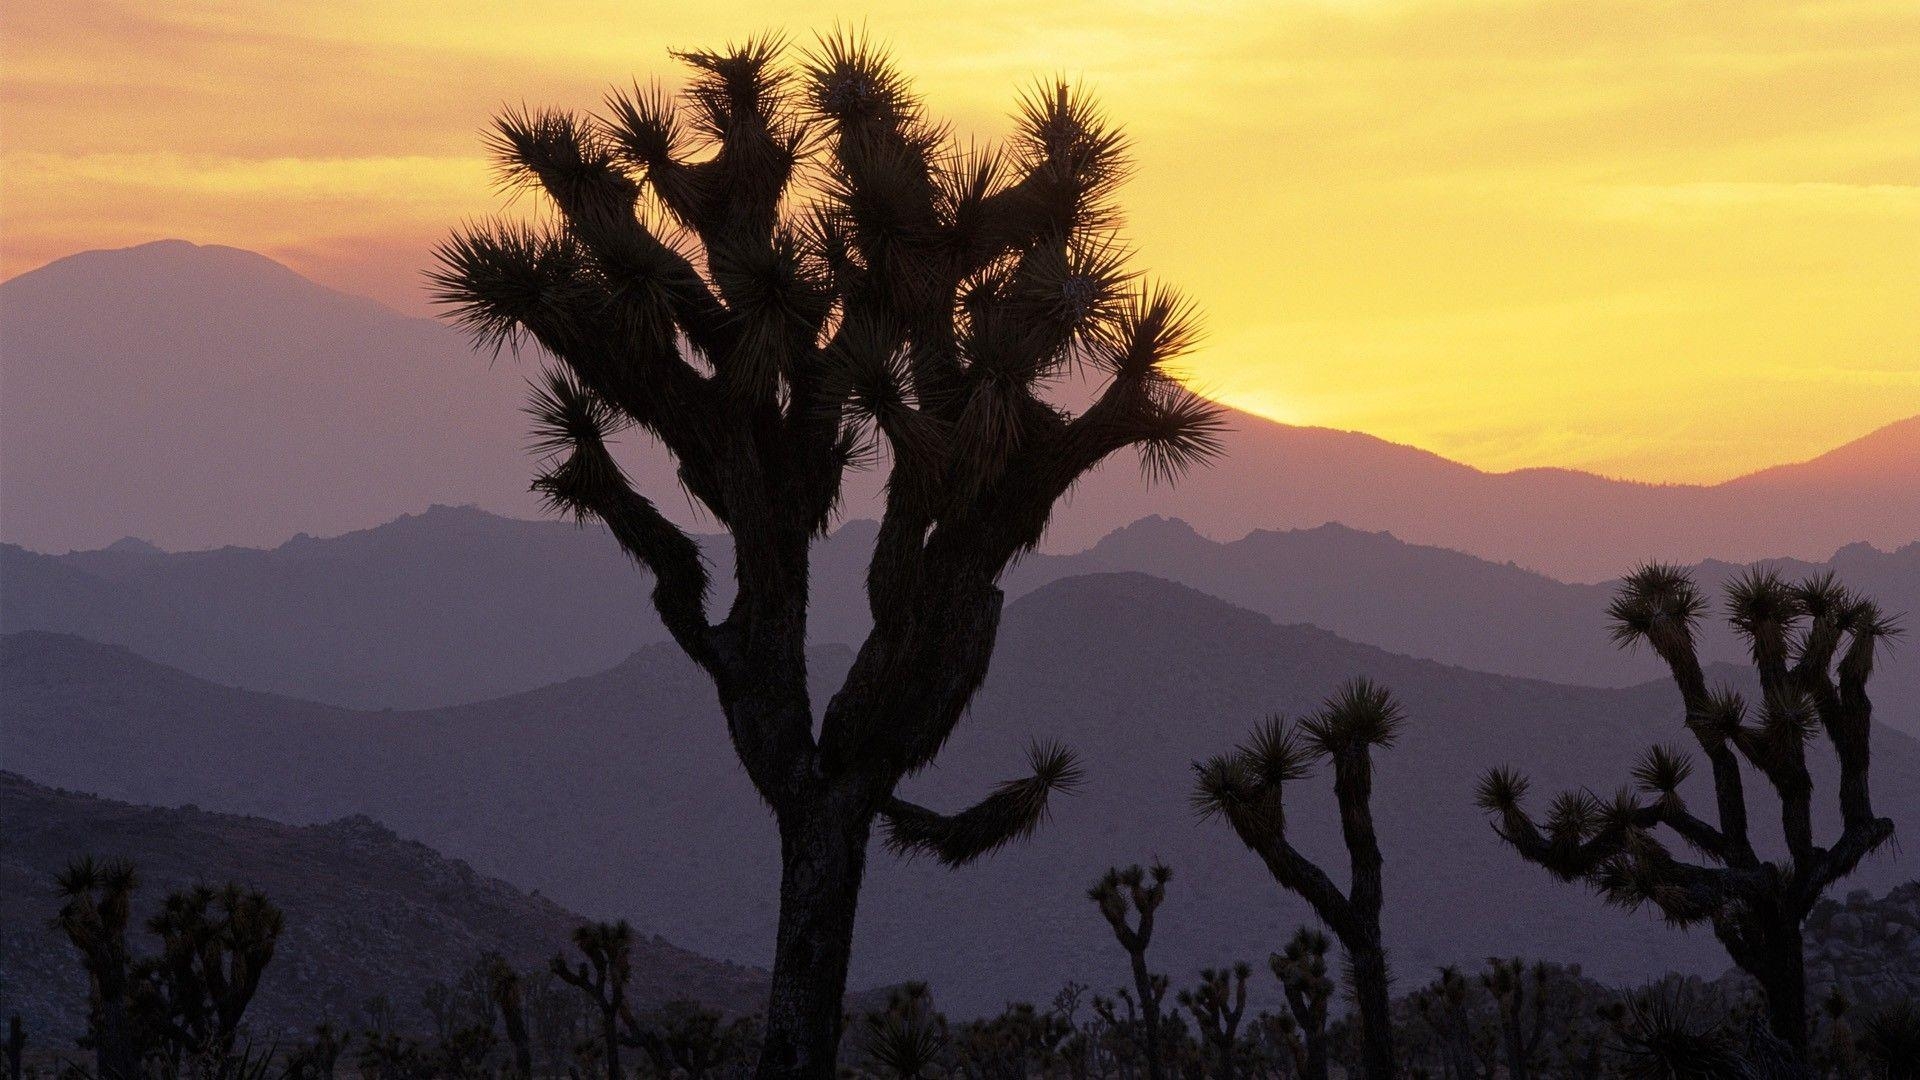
[1663, 240]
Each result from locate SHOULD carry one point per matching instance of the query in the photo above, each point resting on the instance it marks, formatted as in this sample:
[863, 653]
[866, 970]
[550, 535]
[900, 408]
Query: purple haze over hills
[618, 794]
[197, 396]
[456, 604]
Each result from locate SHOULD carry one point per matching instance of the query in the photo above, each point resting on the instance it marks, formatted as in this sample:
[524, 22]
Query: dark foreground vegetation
[174, 1006]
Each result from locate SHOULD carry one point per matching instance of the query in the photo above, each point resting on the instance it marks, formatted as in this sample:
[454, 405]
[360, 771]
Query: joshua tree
[503, 992]
[1143, 891]
[1217, 1005]
[603, 978]
[1813, 645]
[1302, 971]
[1465, 1052]
[215, 944]
[1520, 996]
[916, 295]
[687, 1039]
[97, 901]
[1246, 787]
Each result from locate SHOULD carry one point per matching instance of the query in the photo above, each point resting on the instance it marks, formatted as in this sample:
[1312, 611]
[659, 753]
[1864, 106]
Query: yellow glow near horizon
[1662, 239]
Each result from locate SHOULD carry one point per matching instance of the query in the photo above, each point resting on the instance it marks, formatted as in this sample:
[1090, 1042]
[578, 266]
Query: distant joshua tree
[506, 997]
[1217, 1005]
[215, 944]
[917, 295]
[1247, 786]
[1143, 891]
[602, 976]
[183, 1005]
[1520, 1000]
[97, 901]
[1302, 971]
[1813, 644]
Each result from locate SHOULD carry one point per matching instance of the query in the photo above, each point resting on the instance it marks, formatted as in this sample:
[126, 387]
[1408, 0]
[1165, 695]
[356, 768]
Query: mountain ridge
[613, 792]
[458, 605]
[291, 408]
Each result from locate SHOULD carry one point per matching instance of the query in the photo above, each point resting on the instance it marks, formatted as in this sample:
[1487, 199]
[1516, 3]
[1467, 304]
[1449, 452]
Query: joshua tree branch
[1011, 812]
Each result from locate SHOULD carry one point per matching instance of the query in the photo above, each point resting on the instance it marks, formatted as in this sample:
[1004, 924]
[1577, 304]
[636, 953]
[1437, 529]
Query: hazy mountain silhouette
[228, 400]
[618, 792]
[367, 913]
[456, 604]
[194, 395]
[1444, 605]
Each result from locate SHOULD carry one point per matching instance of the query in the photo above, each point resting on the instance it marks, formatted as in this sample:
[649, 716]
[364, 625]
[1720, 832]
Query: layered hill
[618, 792]
[456, 604]
[366, 912]
[205, 395]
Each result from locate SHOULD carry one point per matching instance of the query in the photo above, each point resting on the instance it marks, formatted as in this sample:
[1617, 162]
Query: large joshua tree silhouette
[777, 274]
[1247, 787]
[1813, 646]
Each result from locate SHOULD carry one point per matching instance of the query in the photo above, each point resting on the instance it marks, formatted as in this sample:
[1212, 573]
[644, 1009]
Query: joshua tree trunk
[1151, 1024]
[1372, 997]
[823, 850]
[1779, 965]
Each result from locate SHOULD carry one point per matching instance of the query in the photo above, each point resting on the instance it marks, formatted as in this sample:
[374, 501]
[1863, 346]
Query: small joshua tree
[913, 294]
[97, 900]
[504, 994]
[1520, 996]
[1302, 971]
[215, 944]
[1813, 645]
[602, 976]
[1246, 787]
[1142, 892]
[1217, 1005]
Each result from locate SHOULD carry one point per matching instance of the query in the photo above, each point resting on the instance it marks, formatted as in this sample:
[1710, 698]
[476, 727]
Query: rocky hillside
[366, 912]
[1869, 948]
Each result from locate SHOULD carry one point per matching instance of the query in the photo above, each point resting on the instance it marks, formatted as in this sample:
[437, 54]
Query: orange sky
[1659, 239]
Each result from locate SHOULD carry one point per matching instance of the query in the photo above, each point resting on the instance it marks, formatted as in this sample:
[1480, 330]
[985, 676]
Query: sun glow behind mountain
[1654, 238]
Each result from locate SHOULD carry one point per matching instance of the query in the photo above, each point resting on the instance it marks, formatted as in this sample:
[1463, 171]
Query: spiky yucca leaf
[644, 129]
[1722, 717]
[496, 280]
[852, 79]
[1012, 812]
[1655, 600]
[1078, 157]
[740, 86]
[1275, 754]
[559, 151]
[1361, 713]
[1178, 431]
[1663, 769]
[1501, 789]
[1758, 599]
